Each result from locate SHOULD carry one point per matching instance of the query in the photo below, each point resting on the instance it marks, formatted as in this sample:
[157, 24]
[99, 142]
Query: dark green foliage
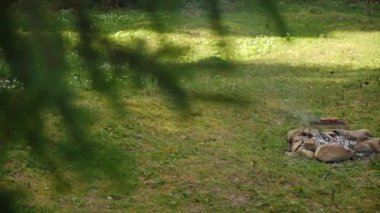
[7, 201]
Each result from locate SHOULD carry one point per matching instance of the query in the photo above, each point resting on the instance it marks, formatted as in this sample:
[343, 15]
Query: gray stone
[307, 153]
[362, 148]
[310, 144]
[357, 135]
[296, 146]
[330, 153]
[294, 133]
[373, 143]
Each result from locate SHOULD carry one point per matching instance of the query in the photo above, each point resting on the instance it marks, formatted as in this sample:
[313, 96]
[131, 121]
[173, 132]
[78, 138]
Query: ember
[322, 138]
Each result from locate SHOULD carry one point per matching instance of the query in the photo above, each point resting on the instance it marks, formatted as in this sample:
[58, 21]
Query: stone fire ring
[333, 146]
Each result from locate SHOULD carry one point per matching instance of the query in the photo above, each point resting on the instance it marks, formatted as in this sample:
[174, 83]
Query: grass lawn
[247, 89]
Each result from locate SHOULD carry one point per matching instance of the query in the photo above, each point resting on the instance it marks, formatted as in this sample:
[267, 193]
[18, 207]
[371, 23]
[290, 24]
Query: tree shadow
[326, 85]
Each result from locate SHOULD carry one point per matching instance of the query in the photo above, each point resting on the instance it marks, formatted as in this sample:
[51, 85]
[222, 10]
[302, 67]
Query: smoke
[291, 108]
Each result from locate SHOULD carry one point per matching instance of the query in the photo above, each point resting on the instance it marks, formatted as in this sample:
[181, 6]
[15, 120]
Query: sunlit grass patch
[237, 48]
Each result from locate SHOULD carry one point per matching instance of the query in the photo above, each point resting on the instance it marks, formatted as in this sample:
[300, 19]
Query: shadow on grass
[316, 88]
[339, 90]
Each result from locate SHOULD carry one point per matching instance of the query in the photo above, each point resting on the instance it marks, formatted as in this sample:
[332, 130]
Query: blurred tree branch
[37, 58]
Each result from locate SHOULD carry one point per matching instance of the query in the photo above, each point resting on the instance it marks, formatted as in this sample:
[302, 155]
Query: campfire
[329, 140]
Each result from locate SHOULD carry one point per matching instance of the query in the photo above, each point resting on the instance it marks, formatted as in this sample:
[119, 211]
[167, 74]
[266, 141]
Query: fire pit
[329, 140]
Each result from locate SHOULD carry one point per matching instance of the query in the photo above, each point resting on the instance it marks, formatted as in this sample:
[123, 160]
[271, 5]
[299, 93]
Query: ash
[322, 138]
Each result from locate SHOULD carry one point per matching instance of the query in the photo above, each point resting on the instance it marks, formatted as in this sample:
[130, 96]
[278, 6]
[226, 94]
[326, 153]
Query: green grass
[227, 153]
